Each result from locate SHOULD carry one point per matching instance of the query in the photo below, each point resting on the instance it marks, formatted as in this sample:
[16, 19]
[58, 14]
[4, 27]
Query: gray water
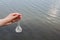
[41, 19]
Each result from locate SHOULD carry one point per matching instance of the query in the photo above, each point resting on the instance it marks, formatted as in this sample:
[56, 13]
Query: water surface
[41, 19]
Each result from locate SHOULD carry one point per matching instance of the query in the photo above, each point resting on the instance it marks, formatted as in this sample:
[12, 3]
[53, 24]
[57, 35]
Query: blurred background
[41, 19]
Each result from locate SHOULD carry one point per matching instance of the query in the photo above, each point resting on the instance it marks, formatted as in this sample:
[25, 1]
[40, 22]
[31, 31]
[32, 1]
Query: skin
[11, 18]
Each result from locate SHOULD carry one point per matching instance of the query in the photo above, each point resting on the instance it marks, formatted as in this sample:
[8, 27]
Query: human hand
[11, 18]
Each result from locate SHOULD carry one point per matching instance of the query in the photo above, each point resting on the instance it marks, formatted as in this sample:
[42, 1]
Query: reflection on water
[41, 19]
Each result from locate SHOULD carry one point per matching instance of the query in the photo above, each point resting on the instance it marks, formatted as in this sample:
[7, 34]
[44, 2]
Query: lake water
[41, 19]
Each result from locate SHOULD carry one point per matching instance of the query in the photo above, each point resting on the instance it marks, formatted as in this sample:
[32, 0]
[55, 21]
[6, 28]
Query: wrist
[2, 22]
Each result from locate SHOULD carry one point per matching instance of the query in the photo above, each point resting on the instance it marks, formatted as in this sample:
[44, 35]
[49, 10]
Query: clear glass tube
[18, 28]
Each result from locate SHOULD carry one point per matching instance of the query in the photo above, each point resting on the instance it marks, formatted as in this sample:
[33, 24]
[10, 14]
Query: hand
[11, 18]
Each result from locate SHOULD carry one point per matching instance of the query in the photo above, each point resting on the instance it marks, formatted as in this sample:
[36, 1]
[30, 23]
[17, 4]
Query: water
[41, 19]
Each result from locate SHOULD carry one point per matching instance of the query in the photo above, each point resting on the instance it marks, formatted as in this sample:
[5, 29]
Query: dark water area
[41, 19]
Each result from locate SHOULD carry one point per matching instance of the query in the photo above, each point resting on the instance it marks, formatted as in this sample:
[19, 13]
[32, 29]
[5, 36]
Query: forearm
[2, 22]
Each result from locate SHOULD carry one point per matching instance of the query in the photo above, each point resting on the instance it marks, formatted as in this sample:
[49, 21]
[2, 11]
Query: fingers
[13, 16]
[17, 15]
[15, 20]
